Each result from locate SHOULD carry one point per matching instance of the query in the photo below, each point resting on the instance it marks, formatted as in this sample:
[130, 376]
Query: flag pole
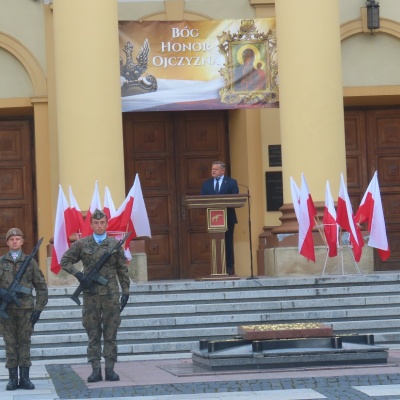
[321, 229]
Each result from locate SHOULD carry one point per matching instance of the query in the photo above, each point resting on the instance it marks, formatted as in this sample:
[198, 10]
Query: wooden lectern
[216, 206]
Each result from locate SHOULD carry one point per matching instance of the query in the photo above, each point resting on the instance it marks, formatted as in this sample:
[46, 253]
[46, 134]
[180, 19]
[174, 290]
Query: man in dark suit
[221, 184]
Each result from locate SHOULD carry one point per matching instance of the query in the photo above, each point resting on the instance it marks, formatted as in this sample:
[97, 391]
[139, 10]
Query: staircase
[172, 316]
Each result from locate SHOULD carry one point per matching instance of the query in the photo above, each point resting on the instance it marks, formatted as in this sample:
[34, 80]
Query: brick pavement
[166, 378]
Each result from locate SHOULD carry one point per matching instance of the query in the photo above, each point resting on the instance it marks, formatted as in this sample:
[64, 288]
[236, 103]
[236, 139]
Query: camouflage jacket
[33, 278]
[89, 252]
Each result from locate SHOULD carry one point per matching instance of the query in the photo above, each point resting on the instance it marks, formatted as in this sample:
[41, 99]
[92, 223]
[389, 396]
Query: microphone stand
[251, 248]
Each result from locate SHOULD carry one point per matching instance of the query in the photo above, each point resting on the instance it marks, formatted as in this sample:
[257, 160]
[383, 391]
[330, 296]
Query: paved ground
[175, 378]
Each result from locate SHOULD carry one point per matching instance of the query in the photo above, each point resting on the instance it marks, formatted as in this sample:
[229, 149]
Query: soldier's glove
[83, 280]
[123, 302]
[35, 317]
[6, 296]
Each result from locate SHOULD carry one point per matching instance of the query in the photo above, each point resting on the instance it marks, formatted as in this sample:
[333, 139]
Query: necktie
[217, 185]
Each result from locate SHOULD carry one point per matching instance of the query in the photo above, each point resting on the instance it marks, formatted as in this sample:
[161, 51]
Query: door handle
[183, 212]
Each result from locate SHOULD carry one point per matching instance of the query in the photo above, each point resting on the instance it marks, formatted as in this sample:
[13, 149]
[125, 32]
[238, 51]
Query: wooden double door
[17, 188]
[373, 144]
[172, 153]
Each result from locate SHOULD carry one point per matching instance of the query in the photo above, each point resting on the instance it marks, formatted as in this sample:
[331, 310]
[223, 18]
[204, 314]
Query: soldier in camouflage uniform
[101, 311]
[18, 328]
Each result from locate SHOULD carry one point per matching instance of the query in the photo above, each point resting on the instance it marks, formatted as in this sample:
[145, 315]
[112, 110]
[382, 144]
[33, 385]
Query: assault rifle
[16, 286]
[93, 275]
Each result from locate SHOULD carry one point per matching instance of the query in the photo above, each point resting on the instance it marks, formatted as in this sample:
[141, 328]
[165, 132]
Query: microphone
[249, 222]
[248, 191]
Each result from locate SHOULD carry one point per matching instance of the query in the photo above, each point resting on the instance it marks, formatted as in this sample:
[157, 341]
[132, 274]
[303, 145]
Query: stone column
[311, 121]
[89, 123]
[311, 95]
[43, 166]
[246, 161]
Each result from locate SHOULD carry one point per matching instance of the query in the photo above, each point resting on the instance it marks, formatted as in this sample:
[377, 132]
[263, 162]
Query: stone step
[214, 314]
[212, 330]
[255, 295]
[188, 299]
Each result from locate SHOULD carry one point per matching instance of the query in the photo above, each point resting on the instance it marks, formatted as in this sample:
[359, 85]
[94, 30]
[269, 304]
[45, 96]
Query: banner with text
[197, 65]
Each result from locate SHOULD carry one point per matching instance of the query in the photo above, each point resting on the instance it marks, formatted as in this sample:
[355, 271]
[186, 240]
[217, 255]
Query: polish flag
[95, 204]
[62, 230]
[109, 208]
[345, 219]
[307, 213]
[294, 189]
[76, 212]
[329, 221]
[371, 211]
[132, 216]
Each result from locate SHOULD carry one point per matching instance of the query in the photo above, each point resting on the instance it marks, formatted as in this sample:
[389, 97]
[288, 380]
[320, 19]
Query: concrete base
[239, 354]
[62, 278]
[284, 261]
[138, 267]
[137, 272]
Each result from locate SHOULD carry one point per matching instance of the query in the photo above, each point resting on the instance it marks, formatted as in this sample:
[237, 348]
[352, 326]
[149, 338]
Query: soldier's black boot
[24, 382]
[95, 376]
[13, 382]
[111, 375]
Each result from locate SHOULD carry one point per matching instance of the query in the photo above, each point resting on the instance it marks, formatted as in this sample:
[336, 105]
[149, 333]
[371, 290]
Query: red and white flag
[307, 213]
[132, 215]
[345, 219]
[62, 230]
[95, 204]
[329, 220]
[371, 212]
[294, 189]
[76, 213]
[109, 208]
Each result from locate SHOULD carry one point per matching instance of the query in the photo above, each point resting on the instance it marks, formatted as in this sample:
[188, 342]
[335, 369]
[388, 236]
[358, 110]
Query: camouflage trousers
[101, 317]
[17, 331]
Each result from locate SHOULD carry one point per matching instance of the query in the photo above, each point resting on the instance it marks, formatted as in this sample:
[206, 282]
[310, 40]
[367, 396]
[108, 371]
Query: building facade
[61, 123]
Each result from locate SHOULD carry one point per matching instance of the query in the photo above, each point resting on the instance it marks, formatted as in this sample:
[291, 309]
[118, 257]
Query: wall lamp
[372, 15]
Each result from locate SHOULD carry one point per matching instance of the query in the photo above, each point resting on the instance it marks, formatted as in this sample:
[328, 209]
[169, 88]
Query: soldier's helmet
[14, 232]
[98, 214]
